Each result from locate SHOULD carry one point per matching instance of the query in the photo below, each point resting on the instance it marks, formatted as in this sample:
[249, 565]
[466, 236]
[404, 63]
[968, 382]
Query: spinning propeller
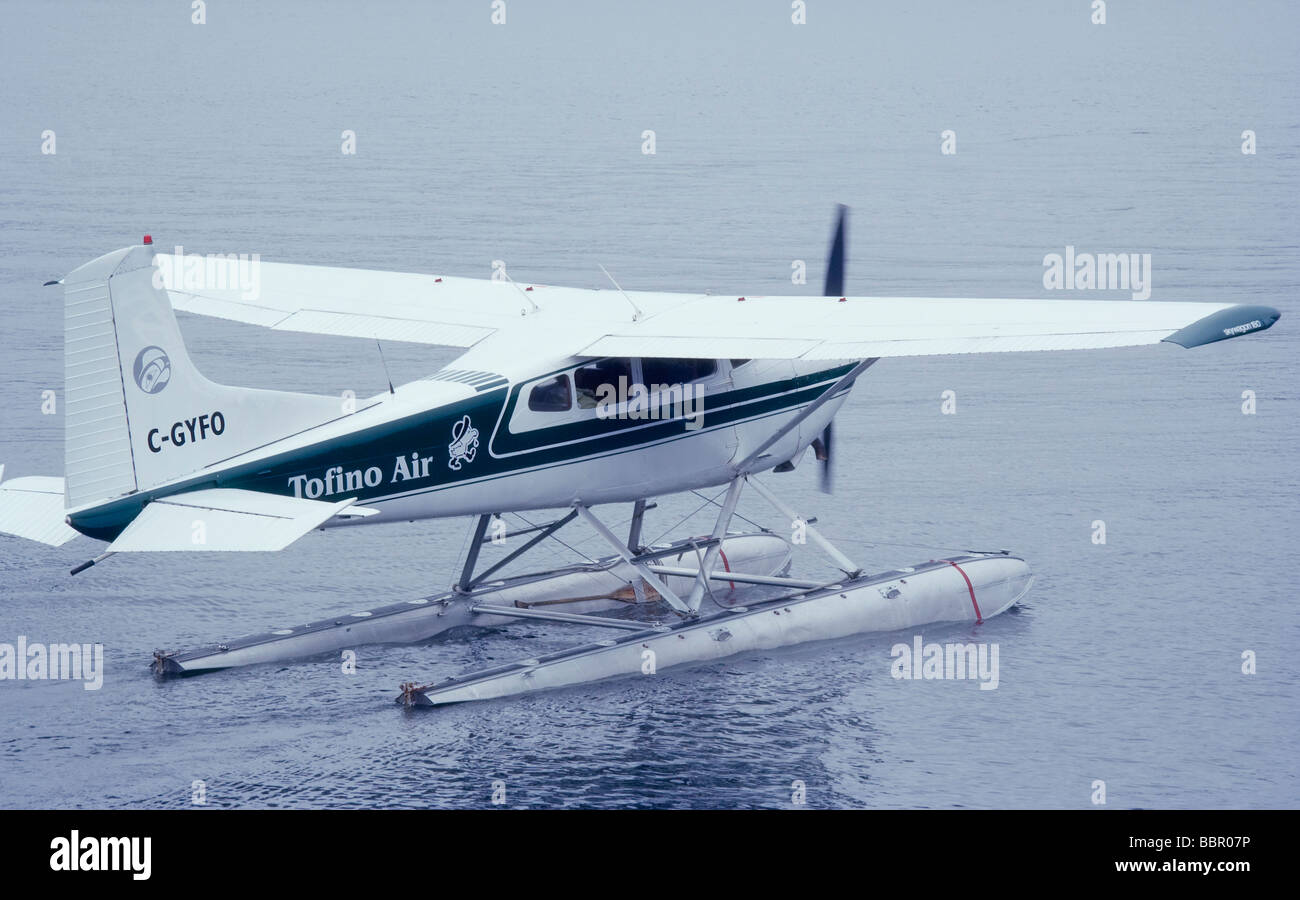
[834, 288]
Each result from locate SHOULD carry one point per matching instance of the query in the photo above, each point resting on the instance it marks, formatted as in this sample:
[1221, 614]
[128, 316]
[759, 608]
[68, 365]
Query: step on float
[604, 585]
[969, 588]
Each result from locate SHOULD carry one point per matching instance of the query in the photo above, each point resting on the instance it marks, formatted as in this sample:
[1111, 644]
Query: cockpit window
[676, 371]
[551, 395]
[588, 379]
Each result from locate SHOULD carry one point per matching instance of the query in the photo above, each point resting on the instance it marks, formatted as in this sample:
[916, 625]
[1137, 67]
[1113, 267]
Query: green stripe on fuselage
[428, 434]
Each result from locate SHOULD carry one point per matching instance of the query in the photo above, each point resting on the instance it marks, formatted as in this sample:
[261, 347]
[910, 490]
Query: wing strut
[845, 381]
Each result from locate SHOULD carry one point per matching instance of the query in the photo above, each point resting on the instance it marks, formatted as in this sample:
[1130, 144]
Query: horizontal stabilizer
[32, 508]
[223, 519]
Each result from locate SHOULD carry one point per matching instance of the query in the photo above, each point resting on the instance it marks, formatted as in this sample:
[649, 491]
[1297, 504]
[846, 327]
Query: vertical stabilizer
[138, 413]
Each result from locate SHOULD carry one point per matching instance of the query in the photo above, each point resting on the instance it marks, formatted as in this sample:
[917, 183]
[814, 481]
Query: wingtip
[1232, 322]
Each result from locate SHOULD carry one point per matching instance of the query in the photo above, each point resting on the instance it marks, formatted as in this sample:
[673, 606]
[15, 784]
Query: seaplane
[564, 399]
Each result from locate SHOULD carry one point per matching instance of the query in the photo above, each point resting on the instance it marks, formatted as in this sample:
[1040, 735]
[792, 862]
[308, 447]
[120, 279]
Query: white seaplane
[564, 399]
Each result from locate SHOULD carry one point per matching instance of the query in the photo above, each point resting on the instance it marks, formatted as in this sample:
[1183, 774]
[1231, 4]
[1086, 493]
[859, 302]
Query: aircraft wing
[460, 312]
[865, 327]
[224, 519]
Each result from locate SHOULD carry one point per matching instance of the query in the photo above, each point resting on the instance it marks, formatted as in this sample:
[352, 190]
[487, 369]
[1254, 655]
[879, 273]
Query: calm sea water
[522, 142]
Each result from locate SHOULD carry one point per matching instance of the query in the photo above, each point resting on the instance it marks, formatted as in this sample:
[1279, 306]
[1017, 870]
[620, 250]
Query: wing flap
[224, 519]
[443, 334]
[719, 346]
[367, 303]
[220, 308]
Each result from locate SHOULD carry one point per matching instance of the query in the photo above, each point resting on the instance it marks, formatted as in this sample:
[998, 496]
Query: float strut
[711, 555]
[664, 591]
[848, 566]
[546, 532]
[467, 574]
[634, 533]
[634, 545]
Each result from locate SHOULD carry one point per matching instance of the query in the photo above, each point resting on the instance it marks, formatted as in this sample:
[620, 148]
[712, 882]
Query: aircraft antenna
[636, 311]
[384, 363]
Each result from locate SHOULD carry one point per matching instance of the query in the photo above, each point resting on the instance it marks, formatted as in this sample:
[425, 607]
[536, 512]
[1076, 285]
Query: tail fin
[138, 413]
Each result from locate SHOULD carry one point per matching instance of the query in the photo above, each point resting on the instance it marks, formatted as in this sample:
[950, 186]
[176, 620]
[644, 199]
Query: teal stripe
[428, 433]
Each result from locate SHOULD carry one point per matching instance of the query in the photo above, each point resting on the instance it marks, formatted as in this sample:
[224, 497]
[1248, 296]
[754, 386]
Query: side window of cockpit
[676, 371]
[551, 395]
[588, 380]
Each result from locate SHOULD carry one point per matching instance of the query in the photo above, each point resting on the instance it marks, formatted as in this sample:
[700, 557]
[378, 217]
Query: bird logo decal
[464, 443]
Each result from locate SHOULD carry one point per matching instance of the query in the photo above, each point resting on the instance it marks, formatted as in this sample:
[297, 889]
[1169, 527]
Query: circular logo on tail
[152, 370]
